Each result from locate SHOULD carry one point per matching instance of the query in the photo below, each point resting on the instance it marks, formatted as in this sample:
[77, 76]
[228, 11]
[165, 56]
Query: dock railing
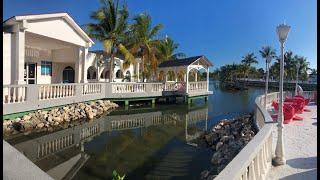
[21, 98]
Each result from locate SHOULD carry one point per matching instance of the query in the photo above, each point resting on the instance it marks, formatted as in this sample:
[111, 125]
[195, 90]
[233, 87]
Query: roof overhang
[25, 18]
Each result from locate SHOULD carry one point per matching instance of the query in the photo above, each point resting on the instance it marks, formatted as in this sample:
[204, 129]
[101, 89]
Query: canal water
[142, 142]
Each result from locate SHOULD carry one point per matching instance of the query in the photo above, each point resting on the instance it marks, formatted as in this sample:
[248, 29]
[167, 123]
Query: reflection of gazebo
[184, 70]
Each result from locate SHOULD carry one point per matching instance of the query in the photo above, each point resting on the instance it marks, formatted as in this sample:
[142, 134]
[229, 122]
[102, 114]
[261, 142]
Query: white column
[138, 72]
[19, 53]
[196, 76]
[185, 77]
[187, 86]
[208, 79]
[83, 59]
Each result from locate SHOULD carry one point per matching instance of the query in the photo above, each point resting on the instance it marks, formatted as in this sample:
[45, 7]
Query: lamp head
[282, 31]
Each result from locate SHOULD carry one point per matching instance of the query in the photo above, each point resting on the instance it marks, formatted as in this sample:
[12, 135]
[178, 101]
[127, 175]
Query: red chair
[298, 103]
[289, 110]
[306, 102]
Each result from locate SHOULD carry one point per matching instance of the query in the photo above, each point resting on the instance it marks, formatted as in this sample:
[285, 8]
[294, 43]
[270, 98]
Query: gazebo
[185, 70]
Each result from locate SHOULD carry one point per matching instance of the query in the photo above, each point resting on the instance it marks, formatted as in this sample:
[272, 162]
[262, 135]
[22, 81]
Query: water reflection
[143, 143]
[115, 139]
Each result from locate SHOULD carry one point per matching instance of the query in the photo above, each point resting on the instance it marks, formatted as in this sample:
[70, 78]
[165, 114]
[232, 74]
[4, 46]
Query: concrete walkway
[300, 143]
[17, 167]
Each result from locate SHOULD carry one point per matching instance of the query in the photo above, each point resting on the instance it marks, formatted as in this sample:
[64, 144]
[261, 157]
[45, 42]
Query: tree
[144, 43]
[303, 68]
[248, 60]
[110, 28]
[267, 51]
[167, 49]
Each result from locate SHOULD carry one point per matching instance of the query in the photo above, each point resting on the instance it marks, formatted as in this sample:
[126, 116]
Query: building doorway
[30, 73]
[68, 75]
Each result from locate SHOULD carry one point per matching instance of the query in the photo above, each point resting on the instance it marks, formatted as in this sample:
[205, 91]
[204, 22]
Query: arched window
[105, 74]
[68, 75]
[91, 73]
[119, 74]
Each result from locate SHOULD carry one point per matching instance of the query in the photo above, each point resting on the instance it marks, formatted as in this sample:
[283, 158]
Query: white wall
[6, 58]
[56, 28]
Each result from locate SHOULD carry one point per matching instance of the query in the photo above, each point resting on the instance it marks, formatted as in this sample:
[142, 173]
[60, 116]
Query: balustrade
[198, 86]
[56, 91]
[14, 94]
[128, 87]
[91, 88]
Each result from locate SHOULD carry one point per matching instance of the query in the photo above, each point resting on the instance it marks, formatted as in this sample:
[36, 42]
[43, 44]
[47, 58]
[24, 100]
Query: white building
[52, 48]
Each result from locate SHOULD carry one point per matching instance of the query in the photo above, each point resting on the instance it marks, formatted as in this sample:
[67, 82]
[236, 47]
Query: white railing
[157, 87]
[253, 162]
[14, 94]
[55, 145]
[198, 86]
[21, 98]
[170, 86]
[127, 124]
[128, 87]
[89, 131]
[270, 80]
[91, 88]
[56, 91]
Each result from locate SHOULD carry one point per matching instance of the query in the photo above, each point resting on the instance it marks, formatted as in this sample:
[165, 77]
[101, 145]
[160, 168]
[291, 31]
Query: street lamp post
[268, 60]
[282, 31]
[296, 90]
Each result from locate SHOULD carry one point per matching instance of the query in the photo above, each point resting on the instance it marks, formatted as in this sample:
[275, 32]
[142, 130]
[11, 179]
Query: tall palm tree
[248, 60]
[265, 52]
[303, 68]
[167, 49]
[144, 42]
[110, 28]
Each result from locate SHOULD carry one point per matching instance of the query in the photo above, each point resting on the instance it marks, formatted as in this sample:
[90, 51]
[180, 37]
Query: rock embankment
[46, 120]
[226, 140]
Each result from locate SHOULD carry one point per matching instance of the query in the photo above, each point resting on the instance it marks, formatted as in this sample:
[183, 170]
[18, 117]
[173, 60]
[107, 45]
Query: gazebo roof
[183, 62]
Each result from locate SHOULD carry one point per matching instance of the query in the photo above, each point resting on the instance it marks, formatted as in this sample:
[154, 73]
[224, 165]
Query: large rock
[204, 174]
[57, 119]
[216, 157]
[26, 117]
[218, 146]
[40, 125]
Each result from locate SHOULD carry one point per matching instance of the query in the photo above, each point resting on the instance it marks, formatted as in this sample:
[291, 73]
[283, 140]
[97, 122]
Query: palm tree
[303, 68]
[144, 42]
[265, 52]
[248, 60]
[167, 49]
[111, 28]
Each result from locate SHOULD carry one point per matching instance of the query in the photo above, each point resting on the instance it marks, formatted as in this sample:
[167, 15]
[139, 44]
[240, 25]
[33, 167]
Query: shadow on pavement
[308, 175]
[303, 163]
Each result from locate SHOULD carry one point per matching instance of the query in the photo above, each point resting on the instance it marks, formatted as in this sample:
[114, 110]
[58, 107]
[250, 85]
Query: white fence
[197, 86]
[254, 161]
[21, 98]
[14, 94]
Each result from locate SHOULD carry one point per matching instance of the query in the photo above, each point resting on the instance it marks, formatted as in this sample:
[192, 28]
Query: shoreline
[48, 120]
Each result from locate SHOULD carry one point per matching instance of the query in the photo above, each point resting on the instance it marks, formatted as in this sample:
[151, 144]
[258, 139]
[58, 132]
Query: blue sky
[223, 31]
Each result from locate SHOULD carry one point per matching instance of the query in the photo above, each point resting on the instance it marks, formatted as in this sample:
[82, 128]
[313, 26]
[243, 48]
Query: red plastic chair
[288, 111]
[299, 103]
[306, 102]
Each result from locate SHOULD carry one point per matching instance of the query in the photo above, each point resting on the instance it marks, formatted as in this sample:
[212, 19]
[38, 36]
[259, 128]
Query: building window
[46, 68]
